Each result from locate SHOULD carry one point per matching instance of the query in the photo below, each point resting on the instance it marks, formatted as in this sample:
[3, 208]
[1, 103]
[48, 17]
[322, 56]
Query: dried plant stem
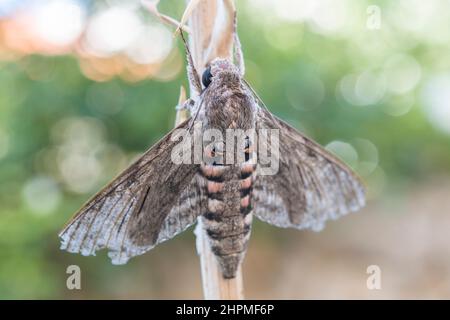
[211, 35]
[214, 285]
[152, 7]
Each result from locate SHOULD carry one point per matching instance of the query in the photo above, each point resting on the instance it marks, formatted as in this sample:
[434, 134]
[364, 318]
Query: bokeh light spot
[151, 46]
[436, 100]
[345, 151]
[113, 30]
[402, 73]
[41, 194]
[58, 22]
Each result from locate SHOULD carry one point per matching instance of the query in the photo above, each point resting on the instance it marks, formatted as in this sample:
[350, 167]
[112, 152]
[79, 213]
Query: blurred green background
[86, 86]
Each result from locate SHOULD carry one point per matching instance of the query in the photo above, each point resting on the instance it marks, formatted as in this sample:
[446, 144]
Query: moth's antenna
[192, 72]
[196, 114]
[255, 94]
[193, 75]
[261, 102]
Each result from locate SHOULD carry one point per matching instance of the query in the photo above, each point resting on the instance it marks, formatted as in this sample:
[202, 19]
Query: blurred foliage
[49, 107]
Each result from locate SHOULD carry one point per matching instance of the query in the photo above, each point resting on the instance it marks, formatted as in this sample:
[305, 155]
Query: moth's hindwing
[151, 201]
[311, 185]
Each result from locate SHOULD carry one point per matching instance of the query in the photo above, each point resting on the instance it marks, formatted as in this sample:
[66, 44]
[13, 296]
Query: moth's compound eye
[206, 78]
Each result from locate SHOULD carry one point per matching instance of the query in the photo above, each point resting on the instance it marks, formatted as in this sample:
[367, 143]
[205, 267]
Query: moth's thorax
[228, 103]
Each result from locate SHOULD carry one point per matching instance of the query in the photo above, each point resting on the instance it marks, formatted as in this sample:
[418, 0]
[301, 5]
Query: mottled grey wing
[311, 185]
[151, 201]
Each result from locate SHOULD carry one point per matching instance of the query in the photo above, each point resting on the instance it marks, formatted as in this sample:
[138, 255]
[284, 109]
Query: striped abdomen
[228, 218]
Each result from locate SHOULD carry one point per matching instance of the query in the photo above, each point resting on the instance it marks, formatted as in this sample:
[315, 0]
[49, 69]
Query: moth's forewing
[151, 201]
[311, 185]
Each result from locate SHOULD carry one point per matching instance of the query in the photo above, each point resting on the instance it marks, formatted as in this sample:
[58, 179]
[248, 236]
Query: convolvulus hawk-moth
[157, 198]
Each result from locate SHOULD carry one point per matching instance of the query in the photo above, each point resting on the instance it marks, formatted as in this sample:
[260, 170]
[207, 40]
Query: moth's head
[216, 68]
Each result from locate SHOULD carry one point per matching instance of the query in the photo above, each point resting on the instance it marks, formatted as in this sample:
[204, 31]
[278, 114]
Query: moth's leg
[192, 105]
[186, 105]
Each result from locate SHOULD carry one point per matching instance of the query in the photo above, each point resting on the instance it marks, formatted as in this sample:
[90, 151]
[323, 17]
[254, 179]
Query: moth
[155, 199]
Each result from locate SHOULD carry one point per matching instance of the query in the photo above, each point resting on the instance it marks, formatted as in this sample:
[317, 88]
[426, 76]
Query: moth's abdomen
[228, 218]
